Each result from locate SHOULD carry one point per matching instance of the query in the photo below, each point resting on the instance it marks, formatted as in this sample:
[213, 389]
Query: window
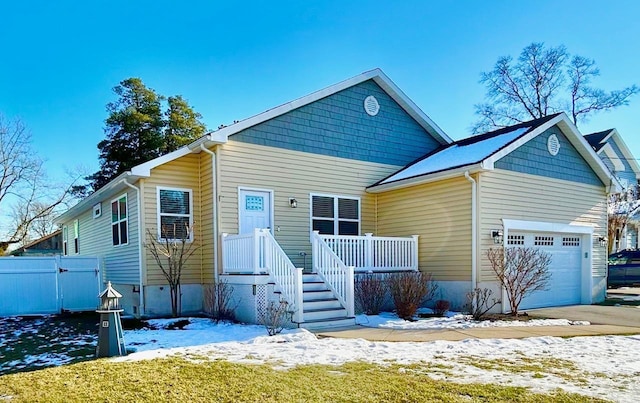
[65, 240]
[76, 233]
[174, 213]
[515, 239]
[335, 215]
[543, 240]
[119, 227]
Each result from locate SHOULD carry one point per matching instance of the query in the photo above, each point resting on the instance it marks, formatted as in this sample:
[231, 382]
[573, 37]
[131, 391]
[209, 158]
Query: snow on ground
[604, 366]
[453, 320]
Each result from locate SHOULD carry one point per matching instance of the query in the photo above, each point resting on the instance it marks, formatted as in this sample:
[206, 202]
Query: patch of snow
[454, 321]
[457, 155]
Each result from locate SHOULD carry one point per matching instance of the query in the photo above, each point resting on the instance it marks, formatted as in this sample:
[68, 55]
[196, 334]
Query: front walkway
[515, 332]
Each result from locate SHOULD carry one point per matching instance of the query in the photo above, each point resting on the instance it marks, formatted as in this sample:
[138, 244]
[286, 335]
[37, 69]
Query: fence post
[299, 298]
[314, 251]
[350, 291]
[368, 251]
[256, 250]
[414, 264]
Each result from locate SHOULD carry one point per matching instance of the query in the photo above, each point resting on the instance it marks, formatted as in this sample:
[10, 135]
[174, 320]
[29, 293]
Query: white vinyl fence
[48, 284]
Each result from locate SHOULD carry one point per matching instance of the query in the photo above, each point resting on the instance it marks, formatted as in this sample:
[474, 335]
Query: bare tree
[409, 290]
[621, 206]
[543, 81]
[25, 191]
[521, 271]
[171, 256]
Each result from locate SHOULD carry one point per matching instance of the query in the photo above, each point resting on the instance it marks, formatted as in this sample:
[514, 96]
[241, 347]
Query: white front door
[254, 210]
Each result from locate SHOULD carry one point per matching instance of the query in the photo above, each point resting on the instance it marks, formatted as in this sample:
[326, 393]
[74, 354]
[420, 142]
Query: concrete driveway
[596, 314]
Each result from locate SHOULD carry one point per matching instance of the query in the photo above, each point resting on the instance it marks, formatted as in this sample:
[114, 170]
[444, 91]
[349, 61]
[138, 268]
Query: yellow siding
[184, 172]
[440, 213]
[293, 174]
[512, 195]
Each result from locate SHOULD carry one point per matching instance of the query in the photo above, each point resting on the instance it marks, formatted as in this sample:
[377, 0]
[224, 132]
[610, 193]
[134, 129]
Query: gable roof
[222, 135]
[600, 143]
[479, 153]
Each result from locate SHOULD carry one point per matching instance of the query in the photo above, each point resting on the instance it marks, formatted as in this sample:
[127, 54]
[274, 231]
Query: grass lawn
[178, 379]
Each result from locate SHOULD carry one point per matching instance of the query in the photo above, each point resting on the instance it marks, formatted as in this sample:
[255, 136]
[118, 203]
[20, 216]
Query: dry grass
[177, 379]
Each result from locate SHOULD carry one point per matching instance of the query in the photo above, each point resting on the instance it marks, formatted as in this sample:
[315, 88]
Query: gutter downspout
[474, 225]
[214, 186]
[140, 246]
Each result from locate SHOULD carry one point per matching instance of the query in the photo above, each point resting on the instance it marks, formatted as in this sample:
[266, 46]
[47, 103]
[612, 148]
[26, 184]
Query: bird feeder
[110, 335]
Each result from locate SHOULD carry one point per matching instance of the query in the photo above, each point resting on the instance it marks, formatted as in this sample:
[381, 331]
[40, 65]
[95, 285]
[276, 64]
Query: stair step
[329, 323]
[311, 278]
[321, 304]
[320, 314]
[315, 286]
[314, 295]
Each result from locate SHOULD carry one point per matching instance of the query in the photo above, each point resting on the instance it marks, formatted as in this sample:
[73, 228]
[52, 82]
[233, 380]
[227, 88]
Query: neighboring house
[47, 245]
[303, 185]
[610, 146]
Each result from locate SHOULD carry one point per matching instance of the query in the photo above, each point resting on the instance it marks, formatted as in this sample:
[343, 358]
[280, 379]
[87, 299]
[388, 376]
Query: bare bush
[480, 302]
[275, 316]
[217, 301]
[409, 290]
[370, 292]
[521, 271]
[441, 307]
[171, 251]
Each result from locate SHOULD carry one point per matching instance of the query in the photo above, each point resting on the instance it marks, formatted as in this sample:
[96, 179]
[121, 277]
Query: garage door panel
[565, 282]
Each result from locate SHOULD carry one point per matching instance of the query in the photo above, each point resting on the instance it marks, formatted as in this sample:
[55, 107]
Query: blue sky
[60, 60]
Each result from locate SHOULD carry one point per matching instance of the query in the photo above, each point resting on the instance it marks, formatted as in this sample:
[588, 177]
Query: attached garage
[570, 250]
[564, 286]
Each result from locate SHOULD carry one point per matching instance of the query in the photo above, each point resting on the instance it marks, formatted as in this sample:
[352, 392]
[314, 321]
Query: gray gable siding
[628, 174]
[534, 158]
[338, 126]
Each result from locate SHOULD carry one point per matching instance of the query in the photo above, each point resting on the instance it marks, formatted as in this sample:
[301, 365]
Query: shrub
[441, 307]
[409, 290]
[275, 316]
[521, 271]
[217, 301]
[480, 302]
[370, 293]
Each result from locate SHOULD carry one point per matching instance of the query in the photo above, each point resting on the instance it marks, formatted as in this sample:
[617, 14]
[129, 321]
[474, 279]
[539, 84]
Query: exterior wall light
[497, 236]
[602, 240]
[293, 203]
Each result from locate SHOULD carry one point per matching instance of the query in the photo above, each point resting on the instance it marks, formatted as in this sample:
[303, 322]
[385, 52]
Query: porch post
[314, 251]
[256, 251]
[351, 311]
[368, 251]
[224, 255]
[414, 264]
[299, 313]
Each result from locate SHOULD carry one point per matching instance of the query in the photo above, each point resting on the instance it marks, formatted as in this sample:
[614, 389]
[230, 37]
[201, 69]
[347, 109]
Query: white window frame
[76, 236]
[159, 214]
[65, 240]
[336, 219]
[126, 203]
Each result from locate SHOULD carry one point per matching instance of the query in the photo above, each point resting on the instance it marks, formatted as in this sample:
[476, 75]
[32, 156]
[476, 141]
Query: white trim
[336, 220]
[126, 202]
[615, 159]
[626, 152]
[271, 206]
[158, 212]
[586, 243]
[76, 236]
[65, 240]
[422, 179]
[97, 210]
[145, 168]
[376, 75]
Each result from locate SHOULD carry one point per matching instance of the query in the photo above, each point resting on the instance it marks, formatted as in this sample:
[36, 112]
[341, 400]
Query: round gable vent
[371, 105]
[553, 145]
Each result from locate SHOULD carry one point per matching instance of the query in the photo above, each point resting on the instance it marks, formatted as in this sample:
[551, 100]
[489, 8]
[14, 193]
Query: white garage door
[565, 249]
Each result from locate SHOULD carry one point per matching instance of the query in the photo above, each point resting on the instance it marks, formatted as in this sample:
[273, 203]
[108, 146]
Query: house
[610, 146]
[336, 183]
[47, 245]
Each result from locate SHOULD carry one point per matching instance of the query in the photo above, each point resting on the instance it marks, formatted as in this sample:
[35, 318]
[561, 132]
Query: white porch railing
[259, 252]
[338, 277]
[375, 253]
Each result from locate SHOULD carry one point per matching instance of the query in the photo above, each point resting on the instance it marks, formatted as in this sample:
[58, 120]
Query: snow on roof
[459, 154]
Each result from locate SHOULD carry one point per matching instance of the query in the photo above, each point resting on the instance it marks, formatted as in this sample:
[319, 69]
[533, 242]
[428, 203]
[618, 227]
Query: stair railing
[336, 275]
[287, 277]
